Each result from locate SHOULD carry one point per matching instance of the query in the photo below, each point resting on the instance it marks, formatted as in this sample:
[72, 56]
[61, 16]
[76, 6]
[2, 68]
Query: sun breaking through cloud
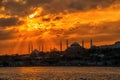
[48, 21]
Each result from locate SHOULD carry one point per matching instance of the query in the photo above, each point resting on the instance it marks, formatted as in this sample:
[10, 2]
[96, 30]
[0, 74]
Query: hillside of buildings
[74, 55]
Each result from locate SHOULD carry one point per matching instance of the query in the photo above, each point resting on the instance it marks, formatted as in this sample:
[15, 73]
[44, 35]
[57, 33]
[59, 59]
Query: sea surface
[59, 73]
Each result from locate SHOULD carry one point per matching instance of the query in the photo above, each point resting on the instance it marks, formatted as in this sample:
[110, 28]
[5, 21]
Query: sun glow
[59, 23]
[33, 15]
[50, 28]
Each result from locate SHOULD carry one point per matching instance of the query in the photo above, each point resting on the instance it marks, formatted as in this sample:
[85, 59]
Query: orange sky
[49, 21]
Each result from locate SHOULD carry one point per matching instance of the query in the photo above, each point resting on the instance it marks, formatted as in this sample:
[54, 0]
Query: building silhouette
[91, 43]
[83, 43]
[60, 46]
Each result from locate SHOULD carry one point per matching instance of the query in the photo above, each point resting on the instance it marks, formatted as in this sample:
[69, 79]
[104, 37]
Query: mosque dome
[75, 44]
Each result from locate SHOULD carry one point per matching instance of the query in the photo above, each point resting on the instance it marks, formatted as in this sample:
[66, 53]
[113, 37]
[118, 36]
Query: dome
[118, 42]
[35, 51]
[75, 44]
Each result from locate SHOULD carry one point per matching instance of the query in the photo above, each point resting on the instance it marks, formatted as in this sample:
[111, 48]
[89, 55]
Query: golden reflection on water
[60, 73]
[30, 70]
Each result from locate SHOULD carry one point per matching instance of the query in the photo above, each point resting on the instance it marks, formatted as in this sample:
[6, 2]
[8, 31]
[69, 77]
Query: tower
[29, 50]
[67, 44]
[30, 47]
[60, 46]
[91, 43]
[39, 47]
[42, 47]
[83, 43]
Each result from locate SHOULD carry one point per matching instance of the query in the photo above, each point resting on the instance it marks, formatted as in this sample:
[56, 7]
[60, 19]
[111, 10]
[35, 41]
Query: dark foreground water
[60, 73]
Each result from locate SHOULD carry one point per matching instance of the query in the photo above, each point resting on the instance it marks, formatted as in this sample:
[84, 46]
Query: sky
[47, 22]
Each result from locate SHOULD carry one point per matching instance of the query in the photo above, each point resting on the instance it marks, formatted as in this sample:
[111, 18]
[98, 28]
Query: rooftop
[75, 44]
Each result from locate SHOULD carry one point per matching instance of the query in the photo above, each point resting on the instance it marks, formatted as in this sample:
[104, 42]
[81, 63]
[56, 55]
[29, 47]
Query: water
[60, 73]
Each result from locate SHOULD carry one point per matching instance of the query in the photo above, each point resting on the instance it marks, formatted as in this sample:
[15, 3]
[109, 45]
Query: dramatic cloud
[90, 4]
[25, 7]
[49, 21]
[5, 35]
[21, 7]
[12, 21]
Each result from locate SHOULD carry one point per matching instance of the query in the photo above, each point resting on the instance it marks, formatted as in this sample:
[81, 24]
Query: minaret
[42, 47]
[83, 43]
[60, 46]
[91, 43]
[39, 47]
[67, 44]
[29, 51]
[51, 47]
[31, 47]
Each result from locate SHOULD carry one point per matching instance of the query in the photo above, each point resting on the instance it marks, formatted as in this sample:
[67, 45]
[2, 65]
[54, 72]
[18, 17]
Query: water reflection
[59, 73]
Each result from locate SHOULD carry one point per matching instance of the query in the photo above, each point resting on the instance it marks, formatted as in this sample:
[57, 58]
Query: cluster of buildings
[112, 46]
[74, 55]
[75, 46]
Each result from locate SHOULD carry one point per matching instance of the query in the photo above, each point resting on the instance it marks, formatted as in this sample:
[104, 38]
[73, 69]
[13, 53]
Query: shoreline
[58, 66]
